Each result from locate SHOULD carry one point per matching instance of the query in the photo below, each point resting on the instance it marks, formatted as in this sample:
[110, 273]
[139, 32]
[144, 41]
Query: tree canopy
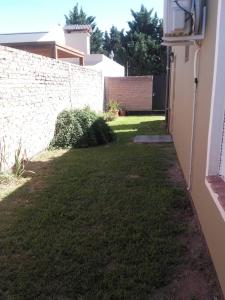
[139, 49]
[78, 16]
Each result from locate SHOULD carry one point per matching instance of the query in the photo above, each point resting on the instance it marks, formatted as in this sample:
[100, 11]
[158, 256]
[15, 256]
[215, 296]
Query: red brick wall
[134, 92]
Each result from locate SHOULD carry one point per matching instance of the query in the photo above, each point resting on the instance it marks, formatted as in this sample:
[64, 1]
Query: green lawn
[97, 223]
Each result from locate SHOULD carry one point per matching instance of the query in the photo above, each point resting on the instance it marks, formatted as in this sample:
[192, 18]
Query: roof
[49, 49]
[77, 27]
[55, 33]
[21, 37]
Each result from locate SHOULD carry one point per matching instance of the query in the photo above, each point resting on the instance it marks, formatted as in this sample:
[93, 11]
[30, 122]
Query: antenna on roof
[111, 55]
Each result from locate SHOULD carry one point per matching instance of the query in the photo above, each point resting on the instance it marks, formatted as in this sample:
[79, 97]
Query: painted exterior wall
[78, 40]
[101, 63]
[108, 67]
[181, 97]
[33, 91]
[182, 105]
[135, 92]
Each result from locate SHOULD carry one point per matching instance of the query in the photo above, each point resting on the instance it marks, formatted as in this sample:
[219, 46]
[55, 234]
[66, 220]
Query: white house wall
[79, 41]
[108, 67]
[101, 63]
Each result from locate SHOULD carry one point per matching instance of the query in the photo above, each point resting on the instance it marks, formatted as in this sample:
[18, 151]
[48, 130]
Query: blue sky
[38, 15]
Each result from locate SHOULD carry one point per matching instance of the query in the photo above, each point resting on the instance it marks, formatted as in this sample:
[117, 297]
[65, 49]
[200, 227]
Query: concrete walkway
[152, 139]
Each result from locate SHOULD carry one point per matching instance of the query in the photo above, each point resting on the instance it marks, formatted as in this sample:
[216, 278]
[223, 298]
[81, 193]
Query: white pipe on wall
[193, 127]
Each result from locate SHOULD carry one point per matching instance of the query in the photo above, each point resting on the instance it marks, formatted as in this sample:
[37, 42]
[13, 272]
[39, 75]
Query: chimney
[78, 37]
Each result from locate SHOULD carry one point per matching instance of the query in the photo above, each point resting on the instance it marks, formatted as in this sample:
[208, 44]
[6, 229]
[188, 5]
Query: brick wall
[135, 92]
[33, 91]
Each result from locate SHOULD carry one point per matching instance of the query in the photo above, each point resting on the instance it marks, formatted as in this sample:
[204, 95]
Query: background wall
[33, 91]
[135, 92]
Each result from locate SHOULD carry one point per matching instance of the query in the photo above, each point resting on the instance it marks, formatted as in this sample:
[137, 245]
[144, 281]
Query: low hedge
[81, 128]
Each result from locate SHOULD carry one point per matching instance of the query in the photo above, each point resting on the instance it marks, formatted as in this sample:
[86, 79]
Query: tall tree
[140, 48]
[78, 16]
[113, 41]
[145, 23]
[146, 55]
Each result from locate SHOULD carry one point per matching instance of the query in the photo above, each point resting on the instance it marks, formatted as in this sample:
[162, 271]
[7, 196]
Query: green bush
[81, 128]
[109, 116]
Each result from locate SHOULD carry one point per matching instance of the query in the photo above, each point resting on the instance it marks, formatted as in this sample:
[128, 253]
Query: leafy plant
[113, 106]
[20, 160]
[67, 131]
[109, 116]
[6, 178]
[139, 48]
[123, 110]
[81, 128]
[3, 160]
[78, 16]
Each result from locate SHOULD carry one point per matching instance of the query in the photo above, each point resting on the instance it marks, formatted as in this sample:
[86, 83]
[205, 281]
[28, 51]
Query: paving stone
[152, 139]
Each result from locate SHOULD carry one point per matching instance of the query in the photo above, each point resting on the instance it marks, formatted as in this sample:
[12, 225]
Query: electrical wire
[190, 14]
[185, 10]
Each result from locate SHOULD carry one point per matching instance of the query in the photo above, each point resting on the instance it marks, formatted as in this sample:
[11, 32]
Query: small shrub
[109, 116]
[3, 160]
[113, 105]
[20, 161]
[81, 128]
[113, 108]
[6, 178]
[103, 132]
[67, 131]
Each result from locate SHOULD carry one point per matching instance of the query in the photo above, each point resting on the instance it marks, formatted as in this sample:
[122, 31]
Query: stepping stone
[152, 139]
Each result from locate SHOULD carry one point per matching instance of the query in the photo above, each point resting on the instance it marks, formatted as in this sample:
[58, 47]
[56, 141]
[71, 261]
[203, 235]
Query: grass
[97, 223]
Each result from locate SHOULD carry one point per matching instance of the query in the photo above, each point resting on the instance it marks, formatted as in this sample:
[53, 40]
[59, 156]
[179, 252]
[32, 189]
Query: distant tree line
[139, 49]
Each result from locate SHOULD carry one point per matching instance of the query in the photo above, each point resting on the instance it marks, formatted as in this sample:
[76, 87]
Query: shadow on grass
[94, 223]
[125, 132]
[153, 127]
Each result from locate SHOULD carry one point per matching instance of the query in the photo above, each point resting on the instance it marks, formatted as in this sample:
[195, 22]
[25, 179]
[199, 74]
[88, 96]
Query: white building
[74, 37]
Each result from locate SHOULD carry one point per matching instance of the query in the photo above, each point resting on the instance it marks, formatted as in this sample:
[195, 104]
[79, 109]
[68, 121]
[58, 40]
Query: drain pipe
[197, 51]
[167, 105]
